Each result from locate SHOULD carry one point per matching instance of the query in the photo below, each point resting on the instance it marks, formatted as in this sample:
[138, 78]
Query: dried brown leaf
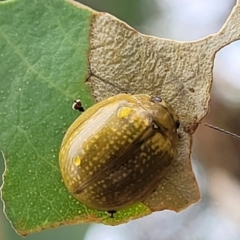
[123, 60]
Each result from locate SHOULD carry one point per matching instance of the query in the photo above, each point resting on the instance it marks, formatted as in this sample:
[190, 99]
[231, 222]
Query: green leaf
[44, 59]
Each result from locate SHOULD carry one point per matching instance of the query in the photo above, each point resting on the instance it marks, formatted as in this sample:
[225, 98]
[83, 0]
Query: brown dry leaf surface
[123, 60]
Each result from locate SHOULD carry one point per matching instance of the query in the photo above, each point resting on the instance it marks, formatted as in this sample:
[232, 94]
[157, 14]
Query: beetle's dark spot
[159, 128]
[156, 99]
[177, 124]
[77, 105]
[154, 126]
[111, 213]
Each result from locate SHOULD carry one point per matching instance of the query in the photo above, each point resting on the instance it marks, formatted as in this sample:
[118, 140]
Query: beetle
[116, 152]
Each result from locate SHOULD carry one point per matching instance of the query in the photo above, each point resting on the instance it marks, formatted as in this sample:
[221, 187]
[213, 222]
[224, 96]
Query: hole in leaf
[191, 20]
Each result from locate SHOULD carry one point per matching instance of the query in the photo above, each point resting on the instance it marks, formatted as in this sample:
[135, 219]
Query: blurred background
[216, 157]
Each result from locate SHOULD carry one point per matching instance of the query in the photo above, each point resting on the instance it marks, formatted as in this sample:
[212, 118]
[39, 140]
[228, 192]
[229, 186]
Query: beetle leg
[111, 213]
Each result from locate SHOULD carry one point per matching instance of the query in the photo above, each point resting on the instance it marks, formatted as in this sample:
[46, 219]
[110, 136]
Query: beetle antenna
[234, 135]
[221, 130]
